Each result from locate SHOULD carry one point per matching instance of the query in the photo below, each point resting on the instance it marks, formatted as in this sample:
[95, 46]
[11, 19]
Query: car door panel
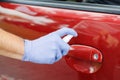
[98, 30]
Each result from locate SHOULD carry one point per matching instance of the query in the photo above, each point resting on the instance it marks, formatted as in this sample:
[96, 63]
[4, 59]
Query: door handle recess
[84, 59]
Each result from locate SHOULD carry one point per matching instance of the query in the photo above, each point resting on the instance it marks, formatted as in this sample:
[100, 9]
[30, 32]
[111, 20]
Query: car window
[111, 2]
[104, 6]
[108, 2]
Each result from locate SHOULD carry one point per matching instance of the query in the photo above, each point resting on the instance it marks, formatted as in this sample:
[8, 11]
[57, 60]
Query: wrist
[27, 49]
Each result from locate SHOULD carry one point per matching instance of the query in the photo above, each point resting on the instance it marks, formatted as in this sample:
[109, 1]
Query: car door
[99, 28]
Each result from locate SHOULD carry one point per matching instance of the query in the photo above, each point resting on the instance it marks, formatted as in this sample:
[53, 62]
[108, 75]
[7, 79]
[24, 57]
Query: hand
[48, 49]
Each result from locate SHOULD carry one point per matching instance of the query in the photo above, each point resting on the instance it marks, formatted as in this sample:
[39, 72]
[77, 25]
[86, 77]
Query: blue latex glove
[48, 49]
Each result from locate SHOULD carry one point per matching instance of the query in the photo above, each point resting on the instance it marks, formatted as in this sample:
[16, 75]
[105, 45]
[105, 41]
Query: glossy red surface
[83, 59]
[98, 30]
[85, 53]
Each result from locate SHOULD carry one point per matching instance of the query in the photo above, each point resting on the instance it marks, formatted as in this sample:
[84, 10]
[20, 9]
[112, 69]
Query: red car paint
[83, 59]
[85, 53]
[98, 30]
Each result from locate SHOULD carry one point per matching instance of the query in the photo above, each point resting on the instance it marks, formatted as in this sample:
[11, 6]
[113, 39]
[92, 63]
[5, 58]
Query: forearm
[44, 50]
[11, 43]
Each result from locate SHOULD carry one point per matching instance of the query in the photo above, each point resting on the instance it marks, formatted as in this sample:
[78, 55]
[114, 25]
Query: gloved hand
[47, 49]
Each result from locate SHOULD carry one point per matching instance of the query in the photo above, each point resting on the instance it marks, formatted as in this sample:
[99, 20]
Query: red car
[99, 29]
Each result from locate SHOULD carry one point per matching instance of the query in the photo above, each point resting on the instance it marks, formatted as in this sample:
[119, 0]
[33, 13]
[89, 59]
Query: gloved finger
[66, 31]
[64, 47]
[58, 55]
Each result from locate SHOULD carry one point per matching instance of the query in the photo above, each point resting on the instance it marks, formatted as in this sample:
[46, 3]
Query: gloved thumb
[66, 31]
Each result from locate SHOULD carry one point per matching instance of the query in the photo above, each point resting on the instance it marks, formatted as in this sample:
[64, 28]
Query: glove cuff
[27, 50]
